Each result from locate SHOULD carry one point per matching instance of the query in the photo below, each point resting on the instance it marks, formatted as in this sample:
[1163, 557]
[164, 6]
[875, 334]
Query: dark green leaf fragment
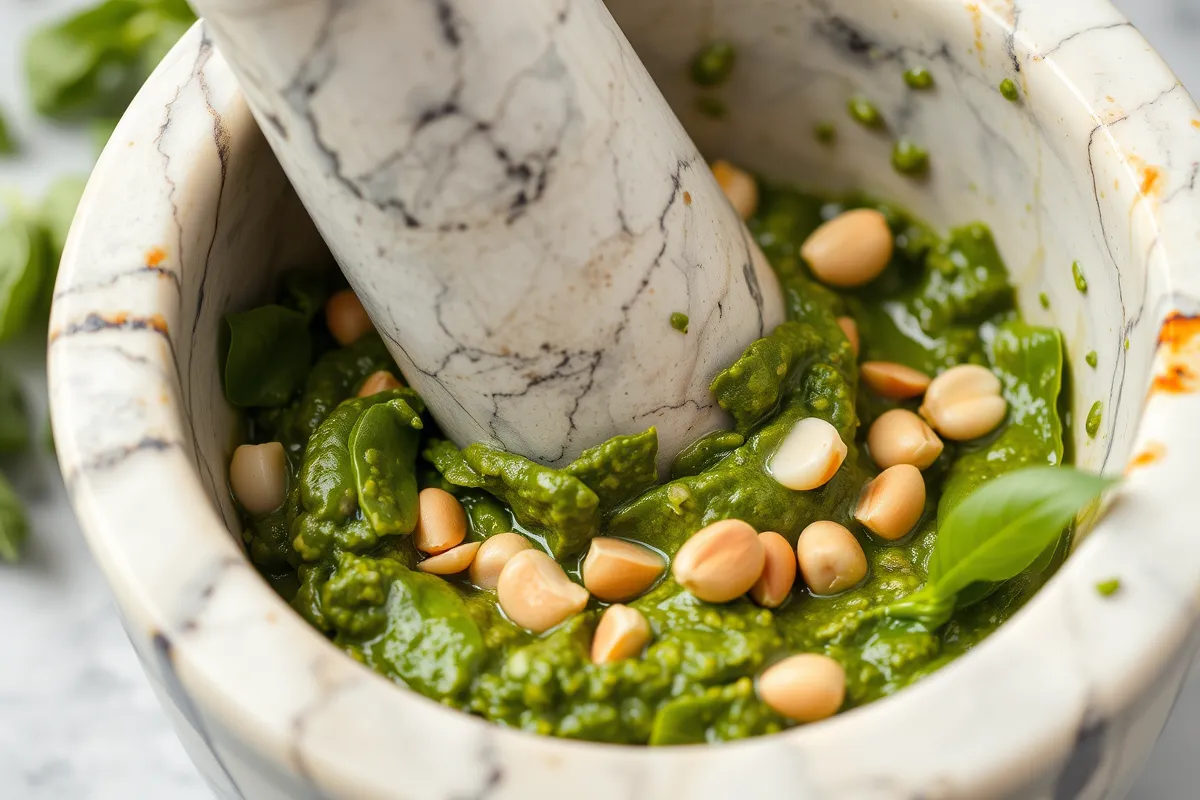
[23, 257]
[270, 350]
[14, 418]
[383, 446]
[14, 525]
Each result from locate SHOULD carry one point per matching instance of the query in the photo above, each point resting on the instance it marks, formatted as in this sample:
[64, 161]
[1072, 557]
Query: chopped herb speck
[918, 78]
[1091, 358]
[1009, 90]
[679, 322]
[1126, 342]
[713, 64]
[864, 112]
[1092, 423]
[1044, 299]
[1109, 587]
[909, 158]
[1080, 281]
[825, 132]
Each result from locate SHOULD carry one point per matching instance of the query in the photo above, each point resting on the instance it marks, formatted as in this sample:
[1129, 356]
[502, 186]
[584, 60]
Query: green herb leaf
[14, 419]
[8, 145]
[92, 63]
[1002, 527]
[22, 265]
[268, 355]
[55, 215]
[14, 525]
[383, 447]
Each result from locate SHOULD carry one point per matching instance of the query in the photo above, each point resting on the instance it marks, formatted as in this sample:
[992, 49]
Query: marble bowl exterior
[188, 216]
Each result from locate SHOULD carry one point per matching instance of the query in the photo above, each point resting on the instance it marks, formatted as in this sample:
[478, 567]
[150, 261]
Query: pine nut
[616, 570]
[806, 687]
[258, 476]
[739, 187]
[493, 554]
[779, 571]
[893, 381]
[901, 437]
[377, 382]
[451, 562]
[536, 594]
[831, 559]
[850, 328]
[346, 318]
[441, 522]
[849, 250]
[892, 504]
[809, 456]
[621, 633]
[720, 562]
[964, 402]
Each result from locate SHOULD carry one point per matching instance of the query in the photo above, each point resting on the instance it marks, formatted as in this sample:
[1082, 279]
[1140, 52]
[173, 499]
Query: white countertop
[77, 718]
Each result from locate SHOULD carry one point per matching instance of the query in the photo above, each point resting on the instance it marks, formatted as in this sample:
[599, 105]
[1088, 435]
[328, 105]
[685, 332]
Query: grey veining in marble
[103, 739]
[516, 205]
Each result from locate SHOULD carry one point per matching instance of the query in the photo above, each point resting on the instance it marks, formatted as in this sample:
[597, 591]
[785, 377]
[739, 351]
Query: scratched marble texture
[76, 717]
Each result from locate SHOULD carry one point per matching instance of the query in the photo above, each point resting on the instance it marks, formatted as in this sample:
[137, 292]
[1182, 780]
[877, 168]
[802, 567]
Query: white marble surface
[76, 717]
[522, 275]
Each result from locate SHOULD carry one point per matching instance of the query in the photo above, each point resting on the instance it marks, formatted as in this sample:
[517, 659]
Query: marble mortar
[188, 216]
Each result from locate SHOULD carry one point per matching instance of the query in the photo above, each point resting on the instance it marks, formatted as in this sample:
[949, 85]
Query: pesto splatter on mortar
[599, 602]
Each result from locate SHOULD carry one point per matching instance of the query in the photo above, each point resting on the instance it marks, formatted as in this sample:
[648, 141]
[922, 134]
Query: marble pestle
[518, 208]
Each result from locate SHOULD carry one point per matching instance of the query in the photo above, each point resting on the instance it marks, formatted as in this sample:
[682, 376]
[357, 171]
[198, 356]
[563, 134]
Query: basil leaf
[22, 264]
[14, 526]
[8, 145]
[55, 215]
[383, 449]
[93, 62]
[269, 353]
[14, 419]
[57, 212]
[305, 292]
[1002, 527]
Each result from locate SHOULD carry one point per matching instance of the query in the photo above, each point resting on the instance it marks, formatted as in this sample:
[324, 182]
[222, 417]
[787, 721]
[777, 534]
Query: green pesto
[918, 78]
[679, 322]
[1044, 299]
[350, 570]
[864, 112]
[713, 64]
[1091, 358]
[1092, 423]
[1108, 588]
[909, 158]
[1009, 89]
[825, 132]
[1077, 274]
